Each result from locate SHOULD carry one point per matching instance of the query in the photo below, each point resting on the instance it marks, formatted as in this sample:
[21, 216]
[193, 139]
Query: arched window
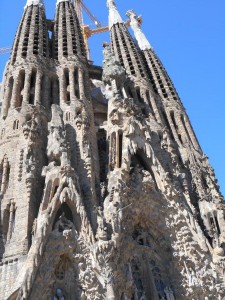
[15, 124]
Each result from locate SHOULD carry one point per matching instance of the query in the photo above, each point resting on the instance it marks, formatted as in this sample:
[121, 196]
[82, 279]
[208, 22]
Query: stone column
[37, 94]
[5, 175]
[174, 130]
[15, 92]
[81, 83]
[26, 90]
[155, 108]
[191, 133]
[7, 97]
[72, 84]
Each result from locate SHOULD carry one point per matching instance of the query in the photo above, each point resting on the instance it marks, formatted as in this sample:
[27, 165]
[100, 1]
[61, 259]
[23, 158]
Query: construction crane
[86, 30]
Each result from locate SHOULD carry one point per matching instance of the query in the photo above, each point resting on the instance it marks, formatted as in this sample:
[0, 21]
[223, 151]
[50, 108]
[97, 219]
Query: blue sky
[188, 36]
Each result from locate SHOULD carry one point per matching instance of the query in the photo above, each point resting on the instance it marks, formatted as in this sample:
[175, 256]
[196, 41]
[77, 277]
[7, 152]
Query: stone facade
[105, 192]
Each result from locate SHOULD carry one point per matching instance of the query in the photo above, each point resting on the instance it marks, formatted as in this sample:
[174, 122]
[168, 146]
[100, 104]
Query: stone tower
[105, 192]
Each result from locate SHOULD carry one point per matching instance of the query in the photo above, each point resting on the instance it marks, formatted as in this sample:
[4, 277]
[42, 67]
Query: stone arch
[70, 212]
[65, 210]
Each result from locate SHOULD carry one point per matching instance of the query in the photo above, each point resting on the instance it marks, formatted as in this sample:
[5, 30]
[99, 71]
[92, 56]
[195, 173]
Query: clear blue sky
[188, 36]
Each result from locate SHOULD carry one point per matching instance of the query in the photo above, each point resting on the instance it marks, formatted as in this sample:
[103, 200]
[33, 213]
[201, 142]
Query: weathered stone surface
[105, 192]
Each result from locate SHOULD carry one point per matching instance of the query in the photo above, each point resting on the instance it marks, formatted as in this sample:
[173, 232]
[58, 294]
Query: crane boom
[92, 17]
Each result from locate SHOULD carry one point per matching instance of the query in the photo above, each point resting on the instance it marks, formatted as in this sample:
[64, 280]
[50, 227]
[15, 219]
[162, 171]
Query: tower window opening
[120, 148]
[27, 33]
[66, 72]
[21, 87]
[217, 225]
[51, 89]
[32, 86]
[103, 153]
[67, 83]
[5, 227]
[68, 116]
[129, 92]
[15, 124]
[76, 83]
[56, 90]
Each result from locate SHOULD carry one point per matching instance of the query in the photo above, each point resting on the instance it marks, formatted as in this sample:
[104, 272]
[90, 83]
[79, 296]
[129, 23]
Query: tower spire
[138, 33]
[114, 16]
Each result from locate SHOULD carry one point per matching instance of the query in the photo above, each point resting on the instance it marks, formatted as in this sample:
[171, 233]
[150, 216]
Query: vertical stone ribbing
[68, 39]
[31, 38]
[164, 87]
[126, 51]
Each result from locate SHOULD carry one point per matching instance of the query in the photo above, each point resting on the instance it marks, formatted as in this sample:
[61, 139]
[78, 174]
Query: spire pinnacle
[34, 2]
[114, 16]
[138, 33]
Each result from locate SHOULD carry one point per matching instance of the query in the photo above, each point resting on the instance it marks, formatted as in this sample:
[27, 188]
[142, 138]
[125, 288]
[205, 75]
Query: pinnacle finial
[138, 33]
[114, 16]
[34, 2]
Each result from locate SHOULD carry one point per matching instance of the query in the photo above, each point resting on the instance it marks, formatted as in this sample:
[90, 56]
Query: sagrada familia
[105, 192]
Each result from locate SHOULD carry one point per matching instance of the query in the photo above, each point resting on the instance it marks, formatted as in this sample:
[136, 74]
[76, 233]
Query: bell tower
[105, 192]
